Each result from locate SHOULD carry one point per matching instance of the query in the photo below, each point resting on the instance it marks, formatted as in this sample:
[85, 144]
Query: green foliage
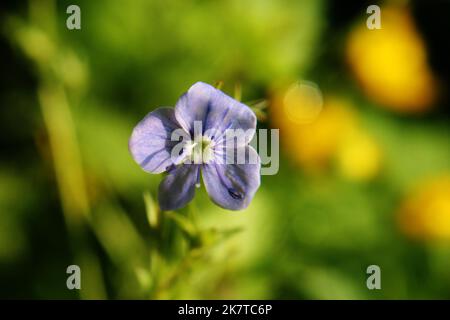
[70, 192]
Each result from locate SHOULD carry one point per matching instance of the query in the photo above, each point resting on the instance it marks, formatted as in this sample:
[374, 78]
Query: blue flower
[207, 132]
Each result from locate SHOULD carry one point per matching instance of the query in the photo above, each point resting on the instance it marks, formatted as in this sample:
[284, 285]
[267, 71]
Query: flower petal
[150, 143]
[178, 187]
[232, 186]
[215, 110]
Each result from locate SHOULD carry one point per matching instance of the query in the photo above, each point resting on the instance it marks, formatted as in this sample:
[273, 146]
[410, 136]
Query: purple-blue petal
[178, 187]
[215, 110]
[232, 186]
[150, 143]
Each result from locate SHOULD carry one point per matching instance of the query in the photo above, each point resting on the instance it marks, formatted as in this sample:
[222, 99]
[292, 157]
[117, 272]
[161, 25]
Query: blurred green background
[364, 181]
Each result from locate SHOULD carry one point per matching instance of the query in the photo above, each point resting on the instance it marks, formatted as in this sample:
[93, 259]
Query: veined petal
[232, 186]
[215, 110]
[150, 143]
[178, 187]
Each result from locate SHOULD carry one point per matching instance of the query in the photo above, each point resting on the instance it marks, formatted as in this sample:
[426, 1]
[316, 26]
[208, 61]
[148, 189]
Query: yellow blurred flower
[425, 213]
[309, 144]
[391, 63]
[313, 138]
[302, 102]
[359, 157]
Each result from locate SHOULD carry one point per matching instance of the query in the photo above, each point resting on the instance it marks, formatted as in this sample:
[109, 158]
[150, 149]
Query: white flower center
[201, 150]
